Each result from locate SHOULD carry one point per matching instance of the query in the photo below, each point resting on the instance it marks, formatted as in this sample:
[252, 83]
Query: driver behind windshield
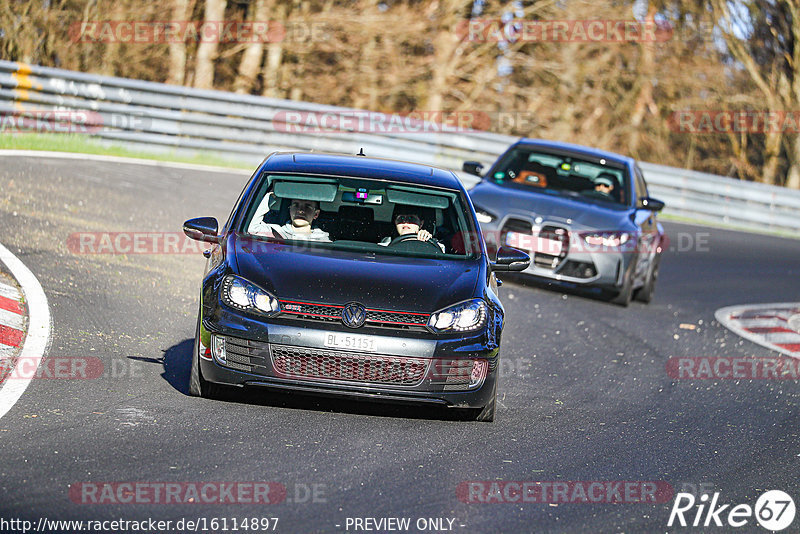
[408, 221]
[604, 184]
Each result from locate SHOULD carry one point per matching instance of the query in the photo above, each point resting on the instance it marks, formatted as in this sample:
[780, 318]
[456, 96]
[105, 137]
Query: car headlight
[484, 216]
[606, 239]
[461, 317]
[240, 294]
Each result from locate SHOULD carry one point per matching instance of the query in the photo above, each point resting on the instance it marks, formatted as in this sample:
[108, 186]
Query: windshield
[374, 216]
[575, 177]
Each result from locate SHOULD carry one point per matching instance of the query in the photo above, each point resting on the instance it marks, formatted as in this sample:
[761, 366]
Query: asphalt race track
[584, 396]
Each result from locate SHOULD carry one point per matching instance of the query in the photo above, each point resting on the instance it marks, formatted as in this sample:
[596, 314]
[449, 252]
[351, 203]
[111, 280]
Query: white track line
[38, 331]
[120, 159]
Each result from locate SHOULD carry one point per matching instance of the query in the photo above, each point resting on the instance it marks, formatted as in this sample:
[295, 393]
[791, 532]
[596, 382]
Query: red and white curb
[775, 326]
[12, 320]
[34, 343]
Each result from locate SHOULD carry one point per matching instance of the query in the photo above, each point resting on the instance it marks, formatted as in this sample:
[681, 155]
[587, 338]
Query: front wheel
[198, 386]
[486, 414]
[623, 298]
[645, 293]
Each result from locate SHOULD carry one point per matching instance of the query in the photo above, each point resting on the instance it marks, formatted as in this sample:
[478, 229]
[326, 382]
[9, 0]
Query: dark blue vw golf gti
[351, 276]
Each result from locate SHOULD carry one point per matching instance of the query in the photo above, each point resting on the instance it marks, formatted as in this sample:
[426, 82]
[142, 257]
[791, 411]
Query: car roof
[361, 167]
[577, 149]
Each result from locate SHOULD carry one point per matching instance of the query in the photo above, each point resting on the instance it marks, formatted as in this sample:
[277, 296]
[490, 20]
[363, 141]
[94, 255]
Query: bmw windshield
[375, 216]
[596, 181]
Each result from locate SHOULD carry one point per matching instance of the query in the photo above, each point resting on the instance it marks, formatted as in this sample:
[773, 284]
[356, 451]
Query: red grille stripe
[397, 312]
[395, 322]
[793, 347]
[311, 304]
[314, 314]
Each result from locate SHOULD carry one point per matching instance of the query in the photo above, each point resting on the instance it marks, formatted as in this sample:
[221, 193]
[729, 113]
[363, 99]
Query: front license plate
[350, 342]
[533, 243]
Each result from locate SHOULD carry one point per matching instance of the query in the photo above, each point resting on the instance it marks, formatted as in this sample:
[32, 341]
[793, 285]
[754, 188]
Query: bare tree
[177, 49]
[251, 58]
[207, 50]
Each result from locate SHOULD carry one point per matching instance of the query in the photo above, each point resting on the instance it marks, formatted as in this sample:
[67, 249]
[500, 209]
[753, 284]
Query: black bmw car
[354, 276]
[585, 216]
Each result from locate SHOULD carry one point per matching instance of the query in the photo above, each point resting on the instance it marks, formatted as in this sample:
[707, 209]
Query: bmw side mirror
[202, 229]
[651, 204]
[511, 259]
[472, 167]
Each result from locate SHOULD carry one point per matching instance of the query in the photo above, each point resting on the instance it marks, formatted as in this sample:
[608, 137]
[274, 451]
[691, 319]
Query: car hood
[337, 277]
[577, 214]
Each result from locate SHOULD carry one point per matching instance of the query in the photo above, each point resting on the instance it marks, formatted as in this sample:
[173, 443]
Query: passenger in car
[407, 221]
[301, 216]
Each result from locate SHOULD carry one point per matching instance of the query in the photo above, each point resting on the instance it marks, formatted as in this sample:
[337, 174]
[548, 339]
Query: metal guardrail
[247, 127]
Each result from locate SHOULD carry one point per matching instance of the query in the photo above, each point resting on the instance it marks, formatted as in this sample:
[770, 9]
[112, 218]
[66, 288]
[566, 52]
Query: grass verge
[83, 144]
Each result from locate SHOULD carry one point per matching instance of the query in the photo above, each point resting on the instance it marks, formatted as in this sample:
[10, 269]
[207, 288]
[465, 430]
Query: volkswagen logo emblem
[354, 315]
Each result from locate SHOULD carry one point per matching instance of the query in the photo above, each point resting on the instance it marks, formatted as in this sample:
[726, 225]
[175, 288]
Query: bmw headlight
[461, 317]
[606, 239]
[240, 294]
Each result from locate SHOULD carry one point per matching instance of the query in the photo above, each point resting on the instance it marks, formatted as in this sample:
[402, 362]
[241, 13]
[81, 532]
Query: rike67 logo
[774, 510]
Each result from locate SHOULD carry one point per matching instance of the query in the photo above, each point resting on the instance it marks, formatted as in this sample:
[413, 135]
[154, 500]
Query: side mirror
[472, 167]
[651, 204]
[202, 229]
[511, 259]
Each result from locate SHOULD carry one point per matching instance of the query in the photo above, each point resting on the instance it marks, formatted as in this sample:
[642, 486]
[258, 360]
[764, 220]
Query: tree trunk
[793, 178]
[644, 102]
[272, 68]
[207, 50]
[772, 158]
[112, 51]
[177, 50]
[251, 59]
[445, 60]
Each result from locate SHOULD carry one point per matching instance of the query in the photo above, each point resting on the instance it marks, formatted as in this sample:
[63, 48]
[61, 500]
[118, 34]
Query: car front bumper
[581, 264]
[404, 367]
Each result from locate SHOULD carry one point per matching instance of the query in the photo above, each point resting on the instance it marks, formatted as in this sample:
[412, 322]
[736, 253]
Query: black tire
[486, 414]
[198, 386]
[645, 293]
[624, 296]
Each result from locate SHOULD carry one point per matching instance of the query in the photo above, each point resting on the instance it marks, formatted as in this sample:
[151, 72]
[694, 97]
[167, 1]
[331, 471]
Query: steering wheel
[598, 194]
[410, 242]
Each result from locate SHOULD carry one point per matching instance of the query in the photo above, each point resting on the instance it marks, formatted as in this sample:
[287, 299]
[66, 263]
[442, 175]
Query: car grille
[331, 312]
[514, 225]
[246, 355]
[551, 261]
[318, 364]
[555, 233]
